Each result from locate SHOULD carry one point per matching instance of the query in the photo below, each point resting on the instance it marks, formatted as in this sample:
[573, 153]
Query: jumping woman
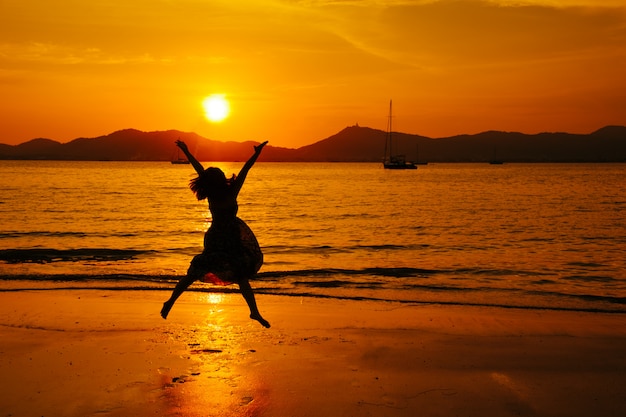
[231, 252]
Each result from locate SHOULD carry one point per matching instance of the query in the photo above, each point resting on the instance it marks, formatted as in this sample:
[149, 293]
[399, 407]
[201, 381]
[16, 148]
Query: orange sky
[296, 72]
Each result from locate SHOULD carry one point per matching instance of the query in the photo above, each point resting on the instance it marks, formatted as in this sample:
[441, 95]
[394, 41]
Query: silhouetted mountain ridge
[352, 144]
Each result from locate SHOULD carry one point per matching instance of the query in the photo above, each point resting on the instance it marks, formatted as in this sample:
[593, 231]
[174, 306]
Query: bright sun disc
[216, 107]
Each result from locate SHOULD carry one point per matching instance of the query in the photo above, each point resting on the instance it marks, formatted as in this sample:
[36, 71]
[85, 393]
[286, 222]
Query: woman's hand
[182, 145]
[260, 147]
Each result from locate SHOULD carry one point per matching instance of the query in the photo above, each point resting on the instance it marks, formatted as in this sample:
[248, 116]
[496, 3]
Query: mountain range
[352, 144]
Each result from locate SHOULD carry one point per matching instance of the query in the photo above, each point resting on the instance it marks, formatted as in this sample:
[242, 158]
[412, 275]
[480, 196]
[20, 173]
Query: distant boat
[179, 160]
[391, 160]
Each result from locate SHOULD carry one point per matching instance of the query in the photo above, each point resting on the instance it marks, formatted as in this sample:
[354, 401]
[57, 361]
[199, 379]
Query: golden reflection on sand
[214, 383]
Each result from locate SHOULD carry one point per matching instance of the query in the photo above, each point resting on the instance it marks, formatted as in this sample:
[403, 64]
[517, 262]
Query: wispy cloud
[54, 54]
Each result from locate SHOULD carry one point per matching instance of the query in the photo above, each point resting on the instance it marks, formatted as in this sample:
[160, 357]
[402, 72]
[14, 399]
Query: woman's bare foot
[167, 306]
[261, 320]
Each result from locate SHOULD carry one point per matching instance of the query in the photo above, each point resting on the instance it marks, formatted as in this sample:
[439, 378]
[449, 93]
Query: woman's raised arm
[241, 177]
[194, 162]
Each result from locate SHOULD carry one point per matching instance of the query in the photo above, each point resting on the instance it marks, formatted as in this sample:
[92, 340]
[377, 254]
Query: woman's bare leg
[181, 286]
[248, 295]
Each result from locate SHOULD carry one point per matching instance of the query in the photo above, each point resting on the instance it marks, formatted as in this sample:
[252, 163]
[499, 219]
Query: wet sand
[109, 353]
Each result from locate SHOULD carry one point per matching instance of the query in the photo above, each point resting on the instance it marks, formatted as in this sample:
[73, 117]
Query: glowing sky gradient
[296, 72]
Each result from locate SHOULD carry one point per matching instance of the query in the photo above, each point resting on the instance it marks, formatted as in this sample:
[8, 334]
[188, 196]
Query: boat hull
[406, 165]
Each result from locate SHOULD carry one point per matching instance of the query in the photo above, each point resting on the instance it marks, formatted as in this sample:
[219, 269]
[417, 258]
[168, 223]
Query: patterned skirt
[231, 252]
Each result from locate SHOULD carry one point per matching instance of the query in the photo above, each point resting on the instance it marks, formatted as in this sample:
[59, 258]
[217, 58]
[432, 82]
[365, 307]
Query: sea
[525, 236]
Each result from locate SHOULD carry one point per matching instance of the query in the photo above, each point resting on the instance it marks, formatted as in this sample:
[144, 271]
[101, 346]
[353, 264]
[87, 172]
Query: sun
[216, 107]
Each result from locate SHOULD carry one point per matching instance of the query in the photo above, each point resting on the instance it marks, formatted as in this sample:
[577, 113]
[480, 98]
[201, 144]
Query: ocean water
[515, 235]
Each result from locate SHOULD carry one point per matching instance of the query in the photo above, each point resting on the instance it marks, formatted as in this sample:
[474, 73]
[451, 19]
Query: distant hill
[135, 145]
[352, 144]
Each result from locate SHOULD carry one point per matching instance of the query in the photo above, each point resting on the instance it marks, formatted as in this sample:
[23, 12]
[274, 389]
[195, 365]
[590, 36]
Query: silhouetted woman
[231, 252]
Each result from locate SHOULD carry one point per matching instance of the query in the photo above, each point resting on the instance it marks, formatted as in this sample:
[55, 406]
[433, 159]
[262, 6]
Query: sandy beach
[109, 353]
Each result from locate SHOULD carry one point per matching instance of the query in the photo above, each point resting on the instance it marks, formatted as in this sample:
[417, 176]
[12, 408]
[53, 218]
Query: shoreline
[456, 298]
[107, 352]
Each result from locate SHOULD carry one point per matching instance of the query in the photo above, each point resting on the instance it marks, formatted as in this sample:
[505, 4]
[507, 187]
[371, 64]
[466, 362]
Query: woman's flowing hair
[212, 183]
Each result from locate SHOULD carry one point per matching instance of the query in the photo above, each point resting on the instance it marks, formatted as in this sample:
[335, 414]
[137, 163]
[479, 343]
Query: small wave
[283, 250]
[496, 272]
[324, 284]
[39, 233]
[589, 278]
[12, 235]
[385, 272]
[105, 279]
[15, 256]
[586, 264]
[327, 249]
[380, 247]
[621, 301]
[400, 272]
[538, 239]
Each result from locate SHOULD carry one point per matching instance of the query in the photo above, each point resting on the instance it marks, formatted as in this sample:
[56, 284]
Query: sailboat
[391, 160]
[179, 160]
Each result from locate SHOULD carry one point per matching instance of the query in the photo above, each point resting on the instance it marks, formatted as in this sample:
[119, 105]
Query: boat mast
[388, 143]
